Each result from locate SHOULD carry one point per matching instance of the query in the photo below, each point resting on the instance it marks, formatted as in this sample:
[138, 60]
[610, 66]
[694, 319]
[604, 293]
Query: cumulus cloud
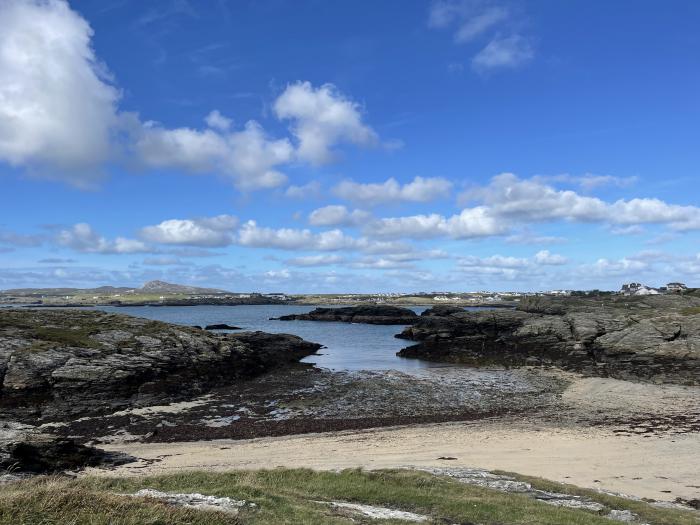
[337, 215]
[470, 223]
[247, 156]
[207, 231]
[419, 190]
[251, 234]
[551, 259]
[216, 120]
[82, 238]
[321, 118]
[511, 198]
[57, 102]
[59, 114]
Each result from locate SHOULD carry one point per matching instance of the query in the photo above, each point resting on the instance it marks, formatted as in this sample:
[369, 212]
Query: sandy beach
[659, 467]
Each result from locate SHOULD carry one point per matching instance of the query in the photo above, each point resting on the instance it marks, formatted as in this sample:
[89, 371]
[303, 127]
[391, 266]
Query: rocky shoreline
[58, 365]
[368, 314]
[654, 338]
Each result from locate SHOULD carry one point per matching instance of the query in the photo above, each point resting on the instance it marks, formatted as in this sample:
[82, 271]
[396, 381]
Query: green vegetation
[691, 310]
[49, 336]
[291, 496]
[646, 513]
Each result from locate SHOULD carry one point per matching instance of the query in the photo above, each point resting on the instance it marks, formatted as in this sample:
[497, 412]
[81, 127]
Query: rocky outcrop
[56, 364]
[369, 314]
[23, 448]
[442, 310]
[652, 339]
[221, 326]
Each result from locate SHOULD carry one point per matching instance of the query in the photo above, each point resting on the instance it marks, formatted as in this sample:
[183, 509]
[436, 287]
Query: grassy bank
[292, 496]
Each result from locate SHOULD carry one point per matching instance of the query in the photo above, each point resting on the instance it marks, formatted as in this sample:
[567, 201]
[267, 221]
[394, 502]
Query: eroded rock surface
[56, 364]
[369, 314]
[652, 338]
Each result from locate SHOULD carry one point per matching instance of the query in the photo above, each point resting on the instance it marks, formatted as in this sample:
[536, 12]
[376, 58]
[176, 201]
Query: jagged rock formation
[55, 364]
[653, 338]
[369, 314]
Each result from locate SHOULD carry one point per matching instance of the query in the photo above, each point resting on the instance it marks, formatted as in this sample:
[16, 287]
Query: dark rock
[25, 449]
[442, 310]
[368, 314]
[221, 326]
[650, 339]
[55, 364]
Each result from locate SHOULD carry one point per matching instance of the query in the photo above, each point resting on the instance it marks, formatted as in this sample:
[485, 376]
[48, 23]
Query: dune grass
[291, 496]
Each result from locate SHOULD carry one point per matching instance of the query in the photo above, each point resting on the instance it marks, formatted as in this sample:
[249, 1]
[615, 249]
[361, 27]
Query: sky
[349, 146]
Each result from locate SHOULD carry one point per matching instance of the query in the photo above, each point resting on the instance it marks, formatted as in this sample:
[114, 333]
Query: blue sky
[349, 146]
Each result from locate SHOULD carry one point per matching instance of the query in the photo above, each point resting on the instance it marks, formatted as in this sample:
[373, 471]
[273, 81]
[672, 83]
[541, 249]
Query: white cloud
[208, 231]
[321, 118]
[472, 18]
[527, 237]
[511, 198]
[607, 267]
[57, 104]
[247, 156]
[544, 257]
[251, 234]
[419, 190]
[59, 114]
[315, 260]
[494, 261]
[216, 120]
[307, 191]
[588, 181]
[470, 223]
[337, 215]
[81, 237]
[503, 53]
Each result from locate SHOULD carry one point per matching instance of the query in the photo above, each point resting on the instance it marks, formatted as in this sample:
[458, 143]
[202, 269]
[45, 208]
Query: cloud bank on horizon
[306, 186]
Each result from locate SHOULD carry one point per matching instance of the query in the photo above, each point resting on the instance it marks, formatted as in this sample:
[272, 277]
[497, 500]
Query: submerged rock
[368, 314]
[655, 340]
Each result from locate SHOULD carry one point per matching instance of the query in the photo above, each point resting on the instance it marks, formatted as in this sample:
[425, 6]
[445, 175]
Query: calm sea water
[347, 346]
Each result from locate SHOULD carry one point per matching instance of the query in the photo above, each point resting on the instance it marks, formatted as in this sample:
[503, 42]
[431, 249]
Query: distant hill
[163, 287]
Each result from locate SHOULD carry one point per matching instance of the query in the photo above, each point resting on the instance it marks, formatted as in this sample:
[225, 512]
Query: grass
[79, 337]
[289, 496]
[691, 310]
[647, 513]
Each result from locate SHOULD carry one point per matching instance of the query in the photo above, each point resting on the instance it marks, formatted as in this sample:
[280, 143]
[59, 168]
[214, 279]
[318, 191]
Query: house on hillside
[638, 289]
[676, 287]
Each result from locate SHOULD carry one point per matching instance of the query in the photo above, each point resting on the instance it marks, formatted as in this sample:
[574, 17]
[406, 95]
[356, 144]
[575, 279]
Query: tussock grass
[288, 496]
